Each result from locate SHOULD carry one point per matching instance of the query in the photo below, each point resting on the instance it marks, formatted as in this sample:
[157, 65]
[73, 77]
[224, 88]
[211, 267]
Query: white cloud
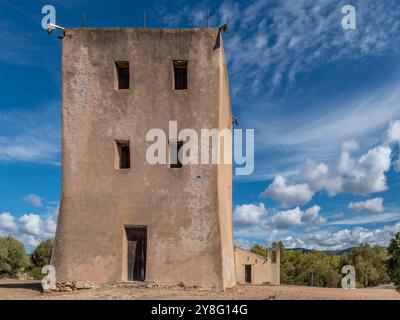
[7, 223]
[344, 238]
[368, 219]
[21, 141]
[320, 177]
[28, 240]
[249, 214]
[329, 238]
[280, 40]
[287, 219]
[393, 136]
[23, 148]
[319, 221]
[292, 243]
[370, 205]
[229, 13]
[311, 213]
[394, 132]
[194, 16]
[31, 228]
[263, 226]
[49, 227]
[34, 200]
[288, 194]
[31, 224]
[250, 232]
[244, 243]
[53, 210]
[305, 35]
[346, 163]
[286, 139]
[363, 175]
[297, 217]
[35, 225]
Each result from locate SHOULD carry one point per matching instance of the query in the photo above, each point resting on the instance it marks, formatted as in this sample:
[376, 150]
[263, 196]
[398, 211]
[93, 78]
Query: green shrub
[13, 257]
[393, 262]
[39, 258]
[319, 269]
[369, 262]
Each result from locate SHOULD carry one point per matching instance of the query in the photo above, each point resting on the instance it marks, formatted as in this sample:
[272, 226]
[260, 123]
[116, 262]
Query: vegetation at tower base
[393, 263]
[13, 257]
[39, 258]
[15, 262]
[320, 269]
[374, 265]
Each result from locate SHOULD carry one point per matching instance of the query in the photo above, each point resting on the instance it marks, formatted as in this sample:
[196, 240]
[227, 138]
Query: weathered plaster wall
[225, 177]
[187, 232]
[275, 270]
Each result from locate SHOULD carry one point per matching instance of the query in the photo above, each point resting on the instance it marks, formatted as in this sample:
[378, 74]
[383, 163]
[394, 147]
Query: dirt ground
[28, 290]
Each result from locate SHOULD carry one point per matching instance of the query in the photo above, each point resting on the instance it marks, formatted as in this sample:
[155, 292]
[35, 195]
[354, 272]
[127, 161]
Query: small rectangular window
[174, 148]
[123, 155]
[273, 256]
[122, 74]
[180, 74]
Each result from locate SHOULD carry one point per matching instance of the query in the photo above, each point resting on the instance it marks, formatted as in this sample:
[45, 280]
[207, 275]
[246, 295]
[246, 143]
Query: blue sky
[324, 103]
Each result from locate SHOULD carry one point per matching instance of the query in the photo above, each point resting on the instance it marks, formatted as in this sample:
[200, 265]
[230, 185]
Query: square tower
[122, 218]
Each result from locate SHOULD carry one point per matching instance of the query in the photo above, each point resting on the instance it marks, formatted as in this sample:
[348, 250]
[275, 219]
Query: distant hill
[328, 252]
[338, 252]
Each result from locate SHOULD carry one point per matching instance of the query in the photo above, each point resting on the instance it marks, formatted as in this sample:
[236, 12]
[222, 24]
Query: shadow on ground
[36, 286]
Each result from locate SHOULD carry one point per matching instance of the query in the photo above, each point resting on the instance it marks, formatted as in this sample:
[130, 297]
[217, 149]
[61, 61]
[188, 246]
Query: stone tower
[122, 218]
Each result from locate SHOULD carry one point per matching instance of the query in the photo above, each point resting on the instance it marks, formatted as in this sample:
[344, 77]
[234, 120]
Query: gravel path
[14, 289]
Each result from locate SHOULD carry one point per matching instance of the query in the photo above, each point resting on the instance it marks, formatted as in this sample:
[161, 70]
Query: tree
[13, 257]
[369, 263]
[42, 254]
[393, 262]
[319, 269]
[259, 250]
[40, 257]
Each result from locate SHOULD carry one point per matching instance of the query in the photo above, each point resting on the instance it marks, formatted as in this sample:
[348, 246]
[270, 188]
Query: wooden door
[247, 273]
[132, 245]
[137, 252]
